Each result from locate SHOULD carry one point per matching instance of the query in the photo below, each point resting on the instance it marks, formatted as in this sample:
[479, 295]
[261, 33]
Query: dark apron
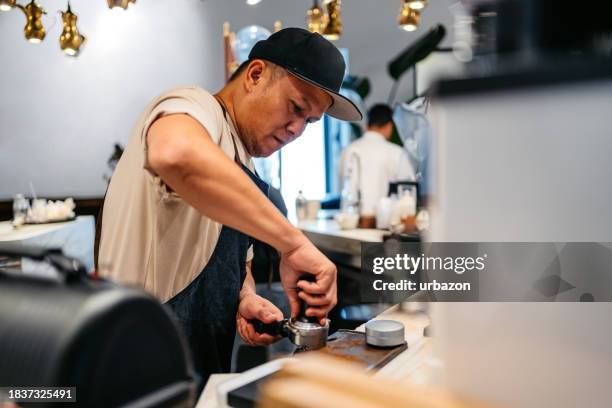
[207, 307]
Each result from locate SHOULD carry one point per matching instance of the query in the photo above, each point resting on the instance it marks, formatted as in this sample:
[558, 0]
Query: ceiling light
[116, 4]
[333, 26]
[71, 41]
[253, 2]
[316, 18]
[408, 17]
[6, 5]
[34, 30]
[417, 4]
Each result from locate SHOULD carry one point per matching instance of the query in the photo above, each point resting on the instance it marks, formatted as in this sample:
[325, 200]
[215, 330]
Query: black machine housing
[117, 345]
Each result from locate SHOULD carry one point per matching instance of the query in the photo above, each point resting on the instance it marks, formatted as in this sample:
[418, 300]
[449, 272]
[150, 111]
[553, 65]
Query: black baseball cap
[313, 59]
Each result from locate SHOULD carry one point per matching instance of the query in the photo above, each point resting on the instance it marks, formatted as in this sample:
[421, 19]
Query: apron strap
[99, 233]
[224, 109]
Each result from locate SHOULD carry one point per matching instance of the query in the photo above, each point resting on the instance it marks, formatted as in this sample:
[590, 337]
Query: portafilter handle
[273, 329]
[301, 317]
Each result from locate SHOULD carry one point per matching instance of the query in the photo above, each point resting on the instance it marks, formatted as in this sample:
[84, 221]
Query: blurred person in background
[371, 162]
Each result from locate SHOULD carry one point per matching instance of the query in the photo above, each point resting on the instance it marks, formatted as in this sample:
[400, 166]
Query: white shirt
[372, 163]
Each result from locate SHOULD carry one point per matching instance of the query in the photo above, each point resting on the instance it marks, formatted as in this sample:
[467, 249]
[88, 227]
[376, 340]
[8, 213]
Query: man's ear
[254, 74]
[389, 130]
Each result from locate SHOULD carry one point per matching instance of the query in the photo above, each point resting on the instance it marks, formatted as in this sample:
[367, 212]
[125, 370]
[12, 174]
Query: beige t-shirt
[150, 237]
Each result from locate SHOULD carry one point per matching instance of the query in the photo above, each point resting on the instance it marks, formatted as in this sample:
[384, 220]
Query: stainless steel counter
[341, 246]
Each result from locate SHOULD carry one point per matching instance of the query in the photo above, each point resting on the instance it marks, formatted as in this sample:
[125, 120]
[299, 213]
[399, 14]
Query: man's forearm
[198, 171]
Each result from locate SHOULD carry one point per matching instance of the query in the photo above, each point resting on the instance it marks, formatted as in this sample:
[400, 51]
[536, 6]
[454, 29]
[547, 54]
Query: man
[184, 199]
[371, 162]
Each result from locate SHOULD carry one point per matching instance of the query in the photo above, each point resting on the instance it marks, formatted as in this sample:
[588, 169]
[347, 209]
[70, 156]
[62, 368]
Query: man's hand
[253, 306]
[320, 296]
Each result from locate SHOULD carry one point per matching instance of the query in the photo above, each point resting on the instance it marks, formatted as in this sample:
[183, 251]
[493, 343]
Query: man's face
[276, 110]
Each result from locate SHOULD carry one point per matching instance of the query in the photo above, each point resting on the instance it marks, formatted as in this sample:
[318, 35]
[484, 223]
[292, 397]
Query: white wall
[59, 117]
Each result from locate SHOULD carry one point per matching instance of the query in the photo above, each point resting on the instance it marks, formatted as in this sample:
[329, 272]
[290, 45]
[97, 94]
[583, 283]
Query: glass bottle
[20, 209]
[300, 206]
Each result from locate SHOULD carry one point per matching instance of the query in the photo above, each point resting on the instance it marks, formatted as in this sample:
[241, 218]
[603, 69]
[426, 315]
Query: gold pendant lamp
[333, 27]
[71, 41]
[6, 5]
[409, 18]
[316, 18]
[34, 30]
[116, 4]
